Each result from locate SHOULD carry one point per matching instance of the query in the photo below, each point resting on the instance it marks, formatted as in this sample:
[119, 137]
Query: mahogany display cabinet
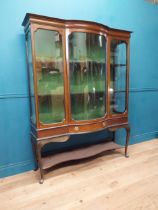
[78, 83]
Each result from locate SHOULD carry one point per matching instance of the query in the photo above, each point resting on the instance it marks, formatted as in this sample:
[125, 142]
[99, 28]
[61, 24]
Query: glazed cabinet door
[49, 69]
[87, 74]
[118, 76]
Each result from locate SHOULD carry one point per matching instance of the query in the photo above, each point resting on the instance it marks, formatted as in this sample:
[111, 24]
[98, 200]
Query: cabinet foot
[35, 169]
[126, 155]
[41, 181]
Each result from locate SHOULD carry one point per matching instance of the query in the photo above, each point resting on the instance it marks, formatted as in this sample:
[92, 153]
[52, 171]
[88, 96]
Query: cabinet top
[34, 18]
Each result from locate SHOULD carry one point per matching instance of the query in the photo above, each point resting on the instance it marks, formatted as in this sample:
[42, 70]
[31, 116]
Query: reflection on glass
[49, 67]
[87, 61]
[118, 65]
[31, 78]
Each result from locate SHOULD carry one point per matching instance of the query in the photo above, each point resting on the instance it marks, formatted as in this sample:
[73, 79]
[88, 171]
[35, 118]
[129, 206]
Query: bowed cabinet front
[78, 83]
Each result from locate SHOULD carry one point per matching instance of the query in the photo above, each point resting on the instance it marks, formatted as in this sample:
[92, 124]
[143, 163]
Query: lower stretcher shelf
[77, 154]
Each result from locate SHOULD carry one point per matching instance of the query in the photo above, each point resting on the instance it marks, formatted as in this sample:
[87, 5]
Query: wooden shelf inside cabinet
[117, 65]
[78, 154]
[78, 81]
[97, 61]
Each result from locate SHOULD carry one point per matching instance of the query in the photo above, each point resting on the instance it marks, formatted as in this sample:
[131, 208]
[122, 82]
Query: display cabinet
[78, 83]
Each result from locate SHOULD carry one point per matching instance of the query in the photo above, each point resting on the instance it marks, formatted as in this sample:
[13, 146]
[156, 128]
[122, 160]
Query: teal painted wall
[135, 15]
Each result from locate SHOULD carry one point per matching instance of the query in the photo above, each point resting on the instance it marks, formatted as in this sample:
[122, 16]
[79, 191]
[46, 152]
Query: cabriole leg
[127, 140]
[40, 163]
[41, 176]
[113, 129]
[35, 153]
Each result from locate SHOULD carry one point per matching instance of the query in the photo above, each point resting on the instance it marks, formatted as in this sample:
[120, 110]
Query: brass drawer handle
[76, 128]
[104, 124]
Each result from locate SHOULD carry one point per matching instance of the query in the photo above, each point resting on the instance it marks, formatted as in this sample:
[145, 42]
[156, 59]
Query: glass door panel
[49, 67]
[31, 78]
[118, 70]
[87, 63]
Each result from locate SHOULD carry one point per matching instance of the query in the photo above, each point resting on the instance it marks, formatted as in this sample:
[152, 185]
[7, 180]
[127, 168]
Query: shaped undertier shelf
[77, 154]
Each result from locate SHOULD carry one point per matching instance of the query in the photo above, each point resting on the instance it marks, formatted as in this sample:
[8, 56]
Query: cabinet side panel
[30, 77]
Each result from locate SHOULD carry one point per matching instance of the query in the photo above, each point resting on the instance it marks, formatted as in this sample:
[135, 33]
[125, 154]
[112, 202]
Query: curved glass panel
[87, 62]
[49, 67]
[118, 69]
[31, 78]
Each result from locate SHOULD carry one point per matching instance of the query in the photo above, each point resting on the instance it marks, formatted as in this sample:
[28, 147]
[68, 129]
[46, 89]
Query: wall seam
[143, 134]
[12, 165]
